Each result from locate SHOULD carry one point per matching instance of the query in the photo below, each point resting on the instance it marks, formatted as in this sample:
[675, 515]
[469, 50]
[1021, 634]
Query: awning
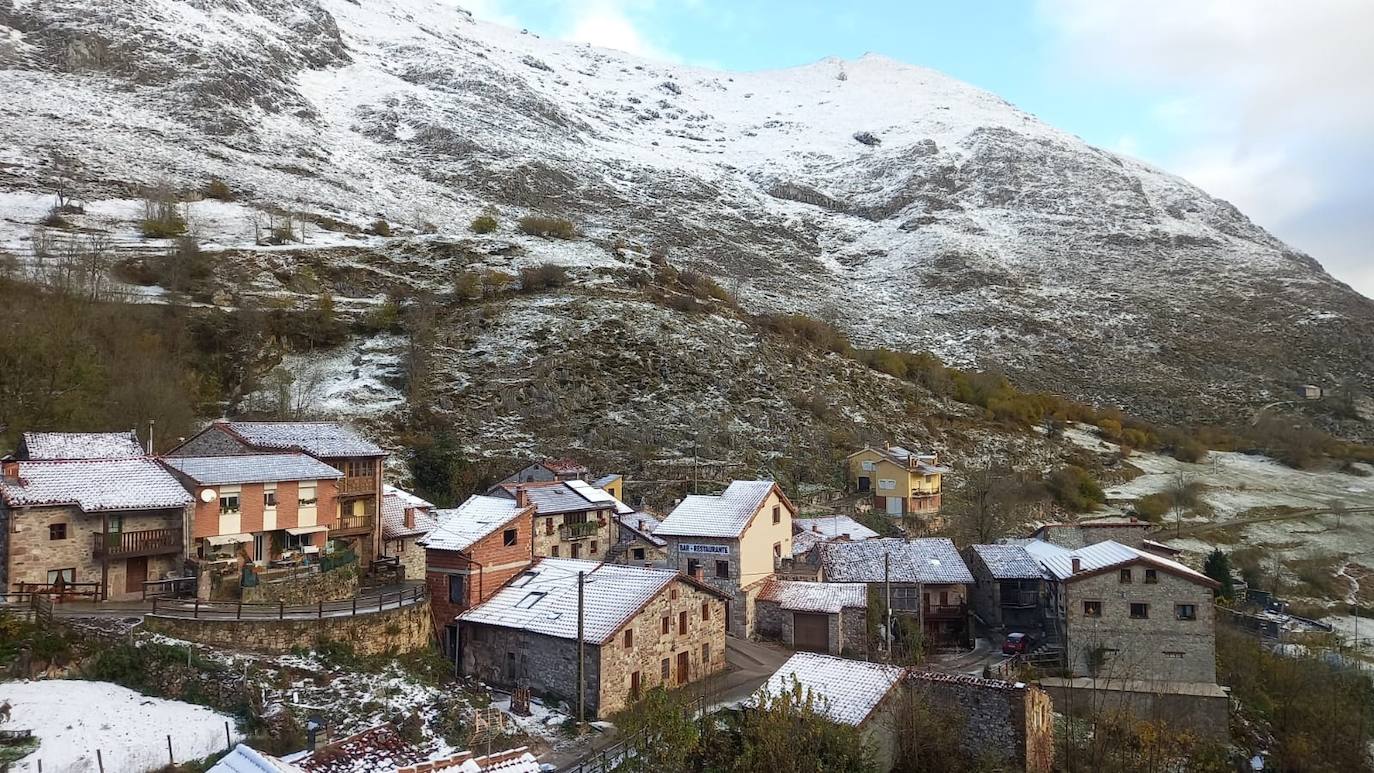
[227, 539]
[297, 531]
[310, 549]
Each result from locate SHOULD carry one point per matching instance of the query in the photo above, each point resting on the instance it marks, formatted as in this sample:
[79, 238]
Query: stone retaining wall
[369, 633]
[1011, 721]
[341, 583]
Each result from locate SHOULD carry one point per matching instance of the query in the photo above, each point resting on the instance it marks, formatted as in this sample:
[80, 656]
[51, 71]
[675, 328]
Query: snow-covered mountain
[913, 210]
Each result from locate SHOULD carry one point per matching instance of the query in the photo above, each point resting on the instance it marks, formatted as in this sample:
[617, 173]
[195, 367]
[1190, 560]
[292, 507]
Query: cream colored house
[901, 481]
[733, 540]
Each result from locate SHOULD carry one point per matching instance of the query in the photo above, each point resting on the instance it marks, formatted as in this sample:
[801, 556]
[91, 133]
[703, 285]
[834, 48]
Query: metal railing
[118, 544]
[578, 530]
[237, 610]
[170, 588]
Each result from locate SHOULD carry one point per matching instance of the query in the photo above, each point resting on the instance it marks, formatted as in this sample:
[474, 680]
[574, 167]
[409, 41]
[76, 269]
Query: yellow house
[612, 484]
[732, 541]
[900, 481]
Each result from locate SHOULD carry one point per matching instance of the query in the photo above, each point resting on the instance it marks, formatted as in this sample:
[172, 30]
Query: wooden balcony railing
[945, 611]
[128, 544]
[577, 530]
[360, 484]
[353, 524]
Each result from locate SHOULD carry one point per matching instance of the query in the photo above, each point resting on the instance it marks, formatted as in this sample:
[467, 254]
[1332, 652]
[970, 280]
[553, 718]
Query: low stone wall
[341, 583]
[1010, 720]
[369, 633]
[1198, 707]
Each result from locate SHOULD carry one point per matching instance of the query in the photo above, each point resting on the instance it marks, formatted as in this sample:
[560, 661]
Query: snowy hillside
[914, 210]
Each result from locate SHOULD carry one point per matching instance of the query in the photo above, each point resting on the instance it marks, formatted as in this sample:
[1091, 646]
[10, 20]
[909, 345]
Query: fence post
[238, 613]
[99, 761]
[355, 603]
[195, 614]
[321, 612]
[170, 759]
[281, 609]
[228, 744]
[380, 597]
[155, 605]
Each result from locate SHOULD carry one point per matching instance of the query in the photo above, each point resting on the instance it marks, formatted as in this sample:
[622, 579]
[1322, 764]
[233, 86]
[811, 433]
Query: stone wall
[341, 583]
[407, 629]
[1010, 721]
[508, 657]
[411, 556]
[1160, 647]
[547, 541]
[1201, 709]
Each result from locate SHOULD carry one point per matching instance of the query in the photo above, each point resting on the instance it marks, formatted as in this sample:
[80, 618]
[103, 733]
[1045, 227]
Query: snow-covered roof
[543, 599]
[556, 496]
[927, 560]
[606, 480]
[834, 526]
[829, 597]
[246, 759]
[80, 445]
[395, 502]
[597, 494]
[317, 438]
[517, 760]
[475, 518]
[644, 524]
[251, 468]
[922, 462]
[1008, 562]
[1102, 556]
[95, 485]
[846, 690]
[724, 515]
[565, 466]
[803, 541]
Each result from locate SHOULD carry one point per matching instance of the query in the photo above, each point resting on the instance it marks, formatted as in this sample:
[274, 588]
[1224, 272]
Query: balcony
[352, 524]
[130, 544]
[945, 611]
[359, 484]
[571, 531]
[1019, 599]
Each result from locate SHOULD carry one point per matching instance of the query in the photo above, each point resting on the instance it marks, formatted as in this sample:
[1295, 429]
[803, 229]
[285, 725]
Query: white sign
[886, 484]
[719, 550]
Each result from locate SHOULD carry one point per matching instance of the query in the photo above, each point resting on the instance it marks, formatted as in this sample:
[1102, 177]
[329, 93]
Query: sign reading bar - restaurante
[688, 547]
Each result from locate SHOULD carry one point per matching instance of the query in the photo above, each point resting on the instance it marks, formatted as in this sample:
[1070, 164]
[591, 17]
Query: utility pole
[887, 582]
[151, 422]
[581, 656]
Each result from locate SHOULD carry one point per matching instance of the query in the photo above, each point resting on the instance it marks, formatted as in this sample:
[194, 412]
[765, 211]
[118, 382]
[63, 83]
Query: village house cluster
[550, 584]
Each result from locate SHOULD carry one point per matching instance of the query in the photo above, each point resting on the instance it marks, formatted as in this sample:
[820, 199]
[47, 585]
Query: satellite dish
[208, 495]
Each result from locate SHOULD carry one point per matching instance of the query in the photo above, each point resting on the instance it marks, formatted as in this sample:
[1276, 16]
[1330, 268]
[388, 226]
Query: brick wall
[407, 629]
[650, 645]
[485, 567]
[1159, 647]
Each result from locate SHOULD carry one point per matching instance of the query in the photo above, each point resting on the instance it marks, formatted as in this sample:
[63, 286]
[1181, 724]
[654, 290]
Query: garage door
[811, 632]
[894, 505]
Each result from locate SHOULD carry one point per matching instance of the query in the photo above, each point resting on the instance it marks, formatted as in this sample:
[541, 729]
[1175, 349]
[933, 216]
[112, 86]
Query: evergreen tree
[1218, 567]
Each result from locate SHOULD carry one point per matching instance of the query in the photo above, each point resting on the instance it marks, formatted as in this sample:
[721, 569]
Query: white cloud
[608, 24]
[1268, 104]
[618, 24]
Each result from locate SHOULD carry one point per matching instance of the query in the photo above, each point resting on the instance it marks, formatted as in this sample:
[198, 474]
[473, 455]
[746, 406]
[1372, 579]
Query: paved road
[368, 601]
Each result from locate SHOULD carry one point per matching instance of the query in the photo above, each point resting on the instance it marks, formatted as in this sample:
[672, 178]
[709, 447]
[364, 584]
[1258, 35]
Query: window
[594, 547]
[508, 537]
[307, 496]
[228, 503]
[1125, 576]
[868, 466]
[665, 624]
[299, 540]
[706, 653]
[637, 554]
[777, 513]
[1151, 576]
[672, 594]
[1173, 655]
[723, 570]
[663, 668]
[57, 531]
[548, 526]
[904, 597]
[629, 638]
[456, 590]
[576, 549]
[887, 484]
[269, 498]
[705, 610]
[1140, 611]
[777, 550]
[478, 633]
[530, 599]
[693, 566]
[681, 623]
[1092, 609]
[634, 684]
[61, 575]
[1185, 611]
[555, 551]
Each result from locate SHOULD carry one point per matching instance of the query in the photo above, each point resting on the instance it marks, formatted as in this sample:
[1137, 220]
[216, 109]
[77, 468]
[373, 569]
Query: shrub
[542, 277]
[467, 285]
[1075, 489]
[808, 330]
[1153, 507]
[548, 226]
[162, 215]
[54, 219]
[1189, 451]
[218, 189]
[483, 224]
[379, 227]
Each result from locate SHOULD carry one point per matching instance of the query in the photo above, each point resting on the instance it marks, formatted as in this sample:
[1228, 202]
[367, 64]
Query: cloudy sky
[1266, 103]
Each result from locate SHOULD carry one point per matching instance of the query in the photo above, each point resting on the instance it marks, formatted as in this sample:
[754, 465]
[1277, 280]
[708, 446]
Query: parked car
[1017, 643]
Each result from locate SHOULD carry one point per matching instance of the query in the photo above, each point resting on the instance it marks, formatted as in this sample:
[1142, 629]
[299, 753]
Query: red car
[1017, 643]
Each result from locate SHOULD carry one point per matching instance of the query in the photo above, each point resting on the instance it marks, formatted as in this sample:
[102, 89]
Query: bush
[379, 228]
[1153, 507]
[1074, 488]
[547, 226]
[1189, 451]
[808, 330]
[542, 277]
[483, 224]
[162, 215]
[218, 189]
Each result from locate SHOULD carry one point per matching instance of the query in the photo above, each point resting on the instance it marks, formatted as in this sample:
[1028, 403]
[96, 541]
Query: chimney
[1077, 565]
[641, 524]
[521, 498]
[410, 517]
[697, 573]
[11, 471]
[816, 528]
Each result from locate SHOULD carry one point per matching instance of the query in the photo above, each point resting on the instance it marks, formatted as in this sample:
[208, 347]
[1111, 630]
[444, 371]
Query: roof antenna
[151, 422]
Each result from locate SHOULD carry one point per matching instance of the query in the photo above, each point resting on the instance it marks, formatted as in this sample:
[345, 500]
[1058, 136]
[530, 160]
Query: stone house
[108, 524]
[405, 519]
[864, 695]
[637, 543]
[1011, 722]
[1125, 531]
[829, 617]
[571, 518]
[640, 628]
[547, 470]
[357, 500]
[56, 446]
[470, 553]
[1128, 614]
[734, 540]
[257, 508]
[833, 527]
[1008, 589]
[928, 580]
[901, 481]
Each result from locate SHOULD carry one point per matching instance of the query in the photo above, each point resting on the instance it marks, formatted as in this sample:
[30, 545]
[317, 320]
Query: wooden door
[682, 664]
[135, 574]
[811, 632]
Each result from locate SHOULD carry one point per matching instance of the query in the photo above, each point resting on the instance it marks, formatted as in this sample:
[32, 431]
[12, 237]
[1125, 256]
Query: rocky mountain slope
[913, 210]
